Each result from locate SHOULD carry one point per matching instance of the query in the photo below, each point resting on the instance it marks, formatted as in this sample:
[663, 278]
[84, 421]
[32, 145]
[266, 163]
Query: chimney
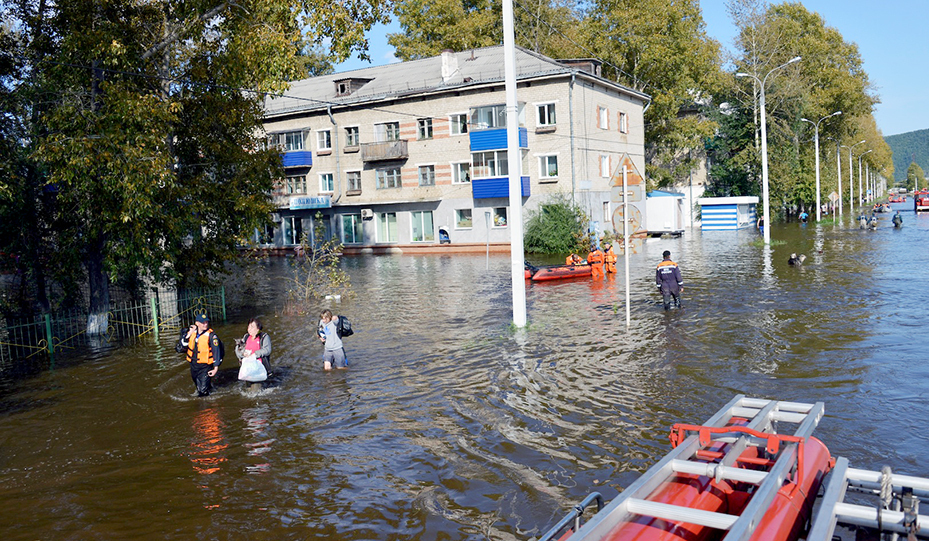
[449, 65]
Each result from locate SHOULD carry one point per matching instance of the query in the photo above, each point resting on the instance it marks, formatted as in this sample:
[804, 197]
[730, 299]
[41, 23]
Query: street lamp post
[819, 214]
[764, 145]
[851, 177]
[860, 194]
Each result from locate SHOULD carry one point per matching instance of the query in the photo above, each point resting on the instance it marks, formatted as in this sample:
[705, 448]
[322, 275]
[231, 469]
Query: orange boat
[742, 476]
[557, 272]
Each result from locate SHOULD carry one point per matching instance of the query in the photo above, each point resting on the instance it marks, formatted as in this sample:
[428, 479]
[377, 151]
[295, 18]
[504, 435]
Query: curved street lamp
[819, 215]
[851, 177]
[764, 145]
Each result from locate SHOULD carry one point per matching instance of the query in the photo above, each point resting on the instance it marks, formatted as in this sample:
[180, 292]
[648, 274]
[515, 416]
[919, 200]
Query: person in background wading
[334, 353]
[255, 342]
[204, 353]
[668, 280]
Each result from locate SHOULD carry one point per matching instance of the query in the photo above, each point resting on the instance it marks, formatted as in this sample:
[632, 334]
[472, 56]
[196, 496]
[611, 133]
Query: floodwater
[450, 425]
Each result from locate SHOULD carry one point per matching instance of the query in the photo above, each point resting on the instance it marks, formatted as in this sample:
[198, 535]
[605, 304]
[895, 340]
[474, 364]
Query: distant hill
[908, 148]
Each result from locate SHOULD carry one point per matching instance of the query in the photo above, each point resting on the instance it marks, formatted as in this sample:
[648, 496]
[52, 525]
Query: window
[352, 230]
[463, 219]
[387, 132]
[352, 139]
[325, 183]
[607, 215]
[424, 128]
[292, 229]
[546, 114]
[264, 235]
[491, 116]
[603, 118]
[423, 230]
[489, 164]
[458, 123]
[548, 166]
[623, 123]
[388, 178]
[324, 140]
[461, 173]
[605, 166]
[286, 141]
[387, 227]
[353, 181]
[295, 185]
[427, 175]
[500, 217]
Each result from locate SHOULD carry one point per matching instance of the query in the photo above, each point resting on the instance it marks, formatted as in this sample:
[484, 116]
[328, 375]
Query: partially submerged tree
[558, 226]
[317, 272]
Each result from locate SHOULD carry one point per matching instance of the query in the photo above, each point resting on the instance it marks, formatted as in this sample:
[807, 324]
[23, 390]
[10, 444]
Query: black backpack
[343, 327]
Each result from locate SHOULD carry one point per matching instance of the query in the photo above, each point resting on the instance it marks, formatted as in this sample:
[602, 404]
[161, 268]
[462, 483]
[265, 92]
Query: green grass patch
[760, 242]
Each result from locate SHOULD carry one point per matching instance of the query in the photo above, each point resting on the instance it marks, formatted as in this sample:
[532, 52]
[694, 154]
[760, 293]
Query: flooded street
[448, 424]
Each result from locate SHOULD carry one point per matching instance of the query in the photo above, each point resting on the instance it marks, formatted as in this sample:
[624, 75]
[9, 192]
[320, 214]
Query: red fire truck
[921, 200]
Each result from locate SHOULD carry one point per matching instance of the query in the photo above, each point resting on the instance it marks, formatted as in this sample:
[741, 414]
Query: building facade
[412, 156]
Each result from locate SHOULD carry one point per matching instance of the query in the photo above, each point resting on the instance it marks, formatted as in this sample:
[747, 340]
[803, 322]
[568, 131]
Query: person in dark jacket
[204, 353]
[668, 280]
[255, 342]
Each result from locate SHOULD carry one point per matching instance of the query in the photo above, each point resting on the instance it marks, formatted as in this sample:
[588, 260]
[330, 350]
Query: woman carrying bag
[253, 351]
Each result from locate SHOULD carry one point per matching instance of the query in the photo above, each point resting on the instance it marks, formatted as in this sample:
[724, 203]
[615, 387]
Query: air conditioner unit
[367, 214]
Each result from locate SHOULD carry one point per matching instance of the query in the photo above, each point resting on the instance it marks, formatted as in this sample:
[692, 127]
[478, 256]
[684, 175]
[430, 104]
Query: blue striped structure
[725, 217]
[494, 139]
[485, 188]
[298, 158]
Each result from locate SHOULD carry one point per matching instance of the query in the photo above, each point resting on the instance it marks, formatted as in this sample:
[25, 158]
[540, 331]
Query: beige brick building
[404, 155]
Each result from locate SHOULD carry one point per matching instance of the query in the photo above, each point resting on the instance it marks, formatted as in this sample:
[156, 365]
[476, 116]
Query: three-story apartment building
[408, 156]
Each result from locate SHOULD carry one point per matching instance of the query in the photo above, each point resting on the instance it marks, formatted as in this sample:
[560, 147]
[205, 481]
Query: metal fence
[51, 336]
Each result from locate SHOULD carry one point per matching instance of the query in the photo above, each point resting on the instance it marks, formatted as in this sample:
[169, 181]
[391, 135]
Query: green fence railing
[62, 333]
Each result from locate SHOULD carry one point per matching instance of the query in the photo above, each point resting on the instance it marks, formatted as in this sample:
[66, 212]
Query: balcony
[485, 188]
[391, 150]
[298, 158]
[494, 139]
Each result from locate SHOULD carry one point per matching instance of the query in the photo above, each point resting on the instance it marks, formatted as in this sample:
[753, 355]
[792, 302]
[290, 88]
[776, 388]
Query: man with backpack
[330, 335]
[204, 353]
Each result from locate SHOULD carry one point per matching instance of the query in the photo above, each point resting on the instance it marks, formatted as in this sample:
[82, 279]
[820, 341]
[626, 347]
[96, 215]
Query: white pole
[514, 164]
[838, 168]
[626, 238]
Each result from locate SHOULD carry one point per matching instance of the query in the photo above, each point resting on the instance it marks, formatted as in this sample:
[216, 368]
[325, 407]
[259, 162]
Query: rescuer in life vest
[573, 259]
[204, 353]
[668, 280]
[609, 258]
[595, 260]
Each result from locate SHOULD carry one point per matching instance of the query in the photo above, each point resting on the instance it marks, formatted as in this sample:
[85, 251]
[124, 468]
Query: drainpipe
[335, 148]
[571, 122]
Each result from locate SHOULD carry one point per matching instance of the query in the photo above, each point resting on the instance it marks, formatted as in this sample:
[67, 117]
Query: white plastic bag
[252, 370]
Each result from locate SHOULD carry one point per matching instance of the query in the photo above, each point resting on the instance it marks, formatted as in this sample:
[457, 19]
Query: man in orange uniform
[668, 280]
[573, 259]
[609, 257]
[204, 353]
[595, 260]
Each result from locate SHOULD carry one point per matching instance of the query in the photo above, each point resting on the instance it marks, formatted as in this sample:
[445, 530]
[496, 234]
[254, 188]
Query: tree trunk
[99, 282]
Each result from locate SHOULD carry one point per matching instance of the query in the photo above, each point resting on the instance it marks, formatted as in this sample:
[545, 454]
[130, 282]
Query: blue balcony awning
[298, 158]
[485, 188]
[494, 139]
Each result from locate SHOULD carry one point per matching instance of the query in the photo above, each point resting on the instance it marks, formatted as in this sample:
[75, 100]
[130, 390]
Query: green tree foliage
[660, 47]
[549, 27]
[142, 121]
[558, 226]
[731, 153]
[909, 148]
[915, 177]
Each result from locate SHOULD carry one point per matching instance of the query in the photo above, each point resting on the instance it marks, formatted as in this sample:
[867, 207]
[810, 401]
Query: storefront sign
[310, 202]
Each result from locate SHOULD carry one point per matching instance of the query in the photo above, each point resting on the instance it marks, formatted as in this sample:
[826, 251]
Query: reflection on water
[451, 425]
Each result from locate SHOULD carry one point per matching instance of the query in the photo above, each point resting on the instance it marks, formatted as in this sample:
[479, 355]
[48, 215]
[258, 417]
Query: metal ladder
[905, 491]
[684, 458]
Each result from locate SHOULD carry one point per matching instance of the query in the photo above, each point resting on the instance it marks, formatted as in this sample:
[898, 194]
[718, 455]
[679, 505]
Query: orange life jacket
[573, 259]
[610, 256]
[202, 345]
[595, 257]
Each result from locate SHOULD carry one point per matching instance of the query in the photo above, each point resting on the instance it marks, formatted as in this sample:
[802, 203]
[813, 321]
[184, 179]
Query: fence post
[48, 337]
[222, 291]
[155, 316]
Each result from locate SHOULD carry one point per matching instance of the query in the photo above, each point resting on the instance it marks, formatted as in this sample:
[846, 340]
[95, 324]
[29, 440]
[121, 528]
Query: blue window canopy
[494, 139]
[486, 188]
[298, 158]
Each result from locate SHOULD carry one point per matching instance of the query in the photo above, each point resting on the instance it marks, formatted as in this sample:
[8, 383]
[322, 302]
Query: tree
[558, 226]
[148, 130]
[915, 177]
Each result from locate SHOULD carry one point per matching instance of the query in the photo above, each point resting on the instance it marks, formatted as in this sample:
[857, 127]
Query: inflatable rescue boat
[557, 272]
[744, 475]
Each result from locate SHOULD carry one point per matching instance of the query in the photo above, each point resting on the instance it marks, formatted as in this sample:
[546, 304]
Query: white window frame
[603, 117]
[284, 140]
[383, 130]
[543, 166]
[428, 236]
[550, 116]
[498, 163]
[424, 129]
[356, 221]
[331, 181]
[605, 166]
[348, 183]
[383, 218]
[458, 219]
[381, 174]
[348, 136]
[496, 214]
[623, 122]
[428, 167]
[456, 121]
[293, 220]
[323, 140]
[456, 172]
[293, 182]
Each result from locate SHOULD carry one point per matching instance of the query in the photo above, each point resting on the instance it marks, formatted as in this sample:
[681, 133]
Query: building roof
[474, 67]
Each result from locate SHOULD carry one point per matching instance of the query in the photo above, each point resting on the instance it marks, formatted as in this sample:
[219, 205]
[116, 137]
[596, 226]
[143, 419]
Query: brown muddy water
[449, 425]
